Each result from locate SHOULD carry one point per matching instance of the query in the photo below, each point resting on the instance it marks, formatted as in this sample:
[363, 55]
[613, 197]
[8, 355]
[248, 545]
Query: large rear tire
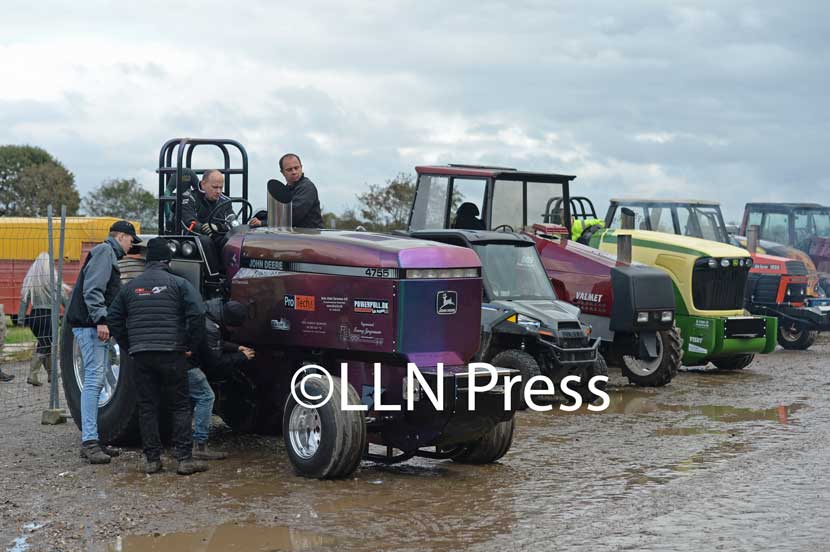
[324, 442]
[492, 446]
[795, 337]
[524, 363]
[661, 370]
[118, 404]
[738, 362]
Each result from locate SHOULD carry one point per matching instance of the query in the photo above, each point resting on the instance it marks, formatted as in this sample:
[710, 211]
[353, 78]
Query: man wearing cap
[158, 318]
[87, 314]
[220, 359]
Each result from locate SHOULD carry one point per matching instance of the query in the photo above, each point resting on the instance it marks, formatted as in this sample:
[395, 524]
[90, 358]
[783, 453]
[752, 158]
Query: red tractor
[629, 307]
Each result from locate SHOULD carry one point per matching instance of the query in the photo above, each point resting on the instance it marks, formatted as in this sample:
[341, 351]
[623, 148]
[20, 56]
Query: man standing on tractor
[159, 319]
[305, 204]
[88, 315]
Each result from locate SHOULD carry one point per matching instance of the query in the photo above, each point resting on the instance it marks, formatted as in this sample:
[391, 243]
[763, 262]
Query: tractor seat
[466, 217]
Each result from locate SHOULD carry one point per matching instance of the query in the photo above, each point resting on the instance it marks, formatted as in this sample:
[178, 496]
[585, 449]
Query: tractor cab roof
[496, 173]
[784, 206]
[658, 201]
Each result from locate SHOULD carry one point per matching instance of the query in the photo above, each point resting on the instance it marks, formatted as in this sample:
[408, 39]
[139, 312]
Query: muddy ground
[715, 461]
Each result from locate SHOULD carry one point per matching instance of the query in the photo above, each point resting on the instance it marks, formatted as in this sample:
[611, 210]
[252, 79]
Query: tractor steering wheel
[223, 225]
[503, 228]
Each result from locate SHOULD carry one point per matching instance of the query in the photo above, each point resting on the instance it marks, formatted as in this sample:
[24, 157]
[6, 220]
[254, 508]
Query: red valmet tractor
[326, 298]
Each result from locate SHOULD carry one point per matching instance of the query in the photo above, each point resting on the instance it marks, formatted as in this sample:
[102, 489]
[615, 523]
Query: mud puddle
[229, 536]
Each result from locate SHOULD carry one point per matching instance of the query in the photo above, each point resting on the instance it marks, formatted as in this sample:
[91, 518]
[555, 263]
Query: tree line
[31, 178]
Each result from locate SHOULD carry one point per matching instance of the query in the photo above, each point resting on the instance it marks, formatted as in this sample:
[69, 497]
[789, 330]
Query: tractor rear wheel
[795, 337]
[492, 446]
[324, 442]
[661, 370]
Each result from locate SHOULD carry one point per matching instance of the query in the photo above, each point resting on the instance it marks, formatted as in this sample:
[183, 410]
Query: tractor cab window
[821, 223]
[507, 205]
[430, 202]
[661, 220]
[542, 197]
[754, 218]
[710, 226]
[467, 208]
[513, 272]
[639, 217]
[775, 227]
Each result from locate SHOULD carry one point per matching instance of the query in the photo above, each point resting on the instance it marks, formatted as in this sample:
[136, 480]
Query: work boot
[91, 450]
[47, 365]
[190, 466]
[109, 451]
[5, 377]
[201, 452]
[34, 368]
[152, 466]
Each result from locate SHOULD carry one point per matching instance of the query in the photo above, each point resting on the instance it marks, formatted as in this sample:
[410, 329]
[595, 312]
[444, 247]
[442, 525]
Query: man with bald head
[197, 204]
[305, 205]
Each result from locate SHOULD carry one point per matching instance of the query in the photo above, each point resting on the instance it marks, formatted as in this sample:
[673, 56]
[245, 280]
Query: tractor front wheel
[795, 337]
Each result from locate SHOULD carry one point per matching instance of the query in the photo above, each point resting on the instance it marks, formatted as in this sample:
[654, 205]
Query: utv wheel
[492, 446]
[794, 337]
[738, 362]
[324, 442]
[118, 403]
[600, 368]
[524, 363]
[661, 370]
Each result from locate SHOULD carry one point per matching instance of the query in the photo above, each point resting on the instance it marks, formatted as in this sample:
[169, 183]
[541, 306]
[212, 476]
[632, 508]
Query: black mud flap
[647, 345]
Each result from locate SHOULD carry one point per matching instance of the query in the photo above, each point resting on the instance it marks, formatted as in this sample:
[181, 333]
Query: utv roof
[474, 236]
[497, 173]
[667, 201]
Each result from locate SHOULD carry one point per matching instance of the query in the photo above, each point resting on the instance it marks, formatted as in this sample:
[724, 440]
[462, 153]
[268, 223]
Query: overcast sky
[714, 100]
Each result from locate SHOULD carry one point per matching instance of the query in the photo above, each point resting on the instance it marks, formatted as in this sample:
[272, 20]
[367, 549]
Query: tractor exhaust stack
[624, 240]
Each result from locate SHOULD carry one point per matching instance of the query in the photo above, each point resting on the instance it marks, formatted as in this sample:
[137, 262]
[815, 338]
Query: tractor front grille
[720, 288]
[796, 268]
[763, 288]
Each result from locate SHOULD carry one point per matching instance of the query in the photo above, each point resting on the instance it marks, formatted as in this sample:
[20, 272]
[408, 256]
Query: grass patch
[15, 334]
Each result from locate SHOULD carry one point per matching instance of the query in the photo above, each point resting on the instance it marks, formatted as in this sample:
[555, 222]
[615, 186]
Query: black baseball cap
[125, 227]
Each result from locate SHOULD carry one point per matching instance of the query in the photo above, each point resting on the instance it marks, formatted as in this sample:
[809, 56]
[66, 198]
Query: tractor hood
[684, 245]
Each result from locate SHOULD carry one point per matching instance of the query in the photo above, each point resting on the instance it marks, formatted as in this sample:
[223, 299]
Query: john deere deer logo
[446, 302]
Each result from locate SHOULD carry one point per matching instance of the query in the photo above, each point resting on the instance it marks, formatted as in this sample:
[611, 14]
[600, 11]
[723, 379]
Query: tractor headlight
[173, 246]
[748, 263]
[724, 263]
[188, 249]
[666, 316]
[642, 317]
[712, 263]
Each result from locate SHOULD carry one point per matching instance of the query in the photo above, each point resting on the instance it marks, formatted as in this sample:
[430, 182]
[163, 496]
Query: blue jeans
[95, 355]
[201, 397]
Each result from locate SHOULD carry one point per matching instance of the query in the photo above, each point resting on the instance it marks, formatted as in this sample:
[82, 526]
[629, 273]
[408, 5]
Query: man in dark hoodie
[88, 315]
[219, 358]
[305, 204]
[159, 318]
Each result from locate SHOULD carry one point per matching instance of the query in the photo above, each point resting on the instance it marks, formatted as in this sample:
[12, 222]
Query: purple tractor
[365, 306]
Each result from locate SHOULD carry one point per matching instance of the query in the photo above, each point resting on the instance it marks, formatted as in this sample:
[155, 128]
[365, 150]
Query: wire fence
[37, 257]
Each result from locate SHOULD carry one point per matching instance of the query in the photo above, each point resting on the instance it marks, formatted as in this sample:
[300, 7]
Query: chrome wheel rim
[112, 371]
[791, 335]
[304, 431]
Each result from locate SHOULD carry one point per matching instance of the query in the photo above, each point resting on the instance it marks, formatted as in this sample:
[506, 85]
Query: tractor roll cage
[183, 149]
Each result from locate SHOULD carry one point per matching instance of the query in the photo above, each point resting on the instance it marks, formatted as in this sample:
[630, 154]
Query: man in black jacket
[305, 205]
[219, 358]
[159, 318]
[88, 316]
